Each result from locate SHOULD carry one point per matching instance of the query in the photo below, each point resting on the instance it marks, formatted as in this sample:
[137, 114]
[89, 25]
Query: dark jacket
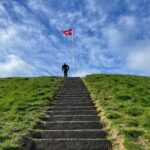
[65, 67]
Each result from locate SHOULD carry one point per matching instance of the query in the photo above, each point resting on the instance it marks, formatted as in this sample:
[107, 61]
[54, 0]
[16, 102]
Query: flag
[67, 32]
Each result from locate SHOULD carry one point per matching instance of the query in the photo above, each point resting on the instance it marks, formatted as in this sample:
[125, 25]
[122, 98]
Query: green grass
[21, 102]
[125, 101]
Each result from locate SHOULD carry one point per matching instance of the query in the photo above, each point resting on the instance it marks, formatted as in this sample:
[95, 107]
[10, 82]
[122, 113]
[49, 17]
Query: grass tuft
[132, 132]
[113, 115]
[135, 111]
[132, 122]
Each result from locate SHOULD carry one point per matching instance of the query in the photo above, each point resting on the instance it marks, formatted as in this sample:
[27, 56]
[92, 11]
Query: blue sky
[109, 37]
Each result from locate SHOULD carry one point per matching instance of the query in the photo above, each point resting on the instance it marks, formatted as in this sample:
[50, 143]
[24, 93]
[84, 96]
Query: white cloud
[91, 6]
[139, 57]
[83, 73]
[128, 22]
[54, 39]
[7, 34]
[2, 9]
[131, 5]
[113, 37]
[36, 5]
[15, 66]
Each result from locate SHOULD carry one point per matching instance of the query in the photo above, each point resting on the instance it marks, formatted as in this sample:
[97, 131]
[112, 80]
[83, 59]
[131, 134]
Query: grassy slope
[125, 102]
[21, 102]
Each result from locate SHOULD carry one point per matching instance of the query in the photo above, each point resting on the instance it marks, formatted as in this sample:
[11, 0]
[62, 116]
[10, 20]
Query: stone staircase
[71, 124]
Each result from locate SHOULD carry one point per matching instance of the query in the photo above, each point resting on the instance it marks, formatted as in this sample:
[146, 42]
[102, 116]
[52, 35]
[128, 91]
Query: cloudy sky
[110, 36]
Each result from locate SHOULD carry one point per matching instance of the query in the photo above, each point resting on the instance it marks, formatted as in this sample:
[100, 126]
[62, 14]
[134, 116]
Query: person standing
[65, 69]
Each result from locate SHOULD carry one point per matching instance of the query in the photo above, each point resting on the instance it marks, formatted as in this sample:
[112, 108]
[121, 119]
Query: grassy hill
[21, 102]
[123, 102]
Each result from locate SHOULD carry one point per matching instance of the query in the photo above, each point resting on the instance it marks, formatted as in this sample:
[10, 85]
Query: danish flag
[67, 32]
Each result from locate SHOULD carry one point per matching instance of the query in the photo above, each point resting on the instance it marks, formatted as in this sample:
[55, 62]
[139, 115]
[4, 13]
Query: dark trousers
[65, 73]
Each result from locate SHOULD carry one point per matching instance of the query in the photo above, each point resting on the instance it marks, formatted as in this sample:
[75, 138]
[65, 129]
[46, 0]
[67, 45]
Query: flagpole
[73, 48]
[68, 33]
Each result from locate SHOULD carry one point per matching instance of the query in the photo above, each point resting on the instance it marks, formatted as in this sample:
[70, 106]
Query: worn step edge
[88, 134]
[68, 144]
[71, 105]
[74, 108]
[40, 130]
[74, 112]
[73, 98]
[45, 122]
[70, 111]
[53, 107]
[72, 116]
[72, 101]
[68, 125]
[70, 139]
[71, 94]
[69, 117]
[91, 112]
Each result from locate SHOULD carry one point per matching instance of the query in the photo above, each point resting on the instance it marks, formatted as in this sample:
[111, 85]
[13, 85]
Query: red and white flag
[68, 32]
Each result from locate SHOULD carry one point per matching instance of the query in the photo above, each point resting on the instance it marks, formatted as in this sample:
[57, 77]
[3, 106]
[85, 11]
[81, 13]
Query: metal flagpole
[73, 48]
[67, 33]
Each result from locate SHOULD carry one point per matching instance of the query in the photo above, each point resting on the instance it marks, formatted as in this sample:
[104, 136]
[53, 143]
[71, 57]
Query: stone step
[73, 103]
[69, 125]
[55, 134]
[73, 92]
[72, 95]
[73, 108]
[71, 118]
[74, 112]
[72, 89]
[72, 86]
[73, 98]
[79, 84]
[75, 82]
[69, 144]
